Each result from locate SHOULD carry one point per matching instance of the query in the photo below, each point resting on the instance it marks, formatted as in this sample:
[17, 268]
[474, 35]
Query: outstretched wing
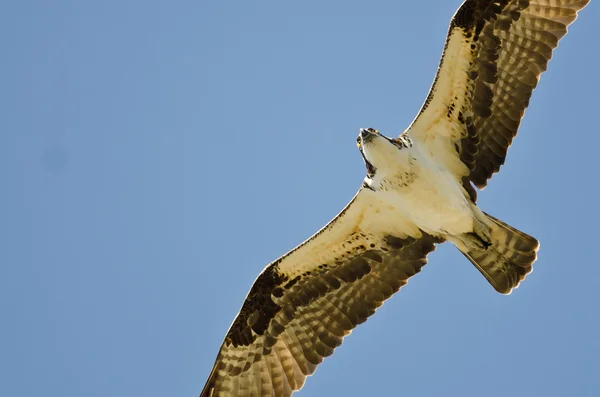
[494, 55]
[302, 305]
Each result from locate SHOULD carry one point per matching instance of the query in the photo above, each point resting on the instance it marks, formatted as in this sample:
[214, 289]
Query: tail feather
[509, 258]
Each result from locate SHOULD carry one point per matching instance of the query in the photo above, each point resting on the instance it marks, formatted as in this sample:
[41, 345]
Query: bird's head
[380, 153]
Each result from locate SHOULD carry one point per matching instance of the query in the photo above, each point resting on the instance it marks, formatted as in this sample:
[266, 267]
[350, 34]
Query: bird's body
[422, 190]
[419, 191]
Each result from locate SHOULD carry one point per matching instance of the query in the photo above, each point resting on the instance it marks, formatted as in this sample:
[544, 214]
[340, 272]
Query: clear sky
[155, 156]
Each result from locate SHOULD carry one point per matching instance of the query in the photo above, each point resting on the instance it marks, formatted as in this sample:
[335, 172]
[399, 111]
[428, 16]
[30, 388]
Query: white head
[381, 155]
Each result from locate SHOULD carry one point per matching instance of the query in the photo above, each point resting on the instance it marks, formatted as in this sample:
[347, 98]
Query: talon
[482, 235]
[479, 241]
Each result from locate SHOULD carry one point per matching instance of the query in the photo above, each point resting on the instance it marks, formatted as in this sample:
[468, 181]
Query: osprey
[419, 191]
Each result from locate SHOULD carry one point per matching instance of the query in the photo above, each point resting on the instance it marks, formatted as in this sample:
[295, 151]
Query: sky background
[155, 156]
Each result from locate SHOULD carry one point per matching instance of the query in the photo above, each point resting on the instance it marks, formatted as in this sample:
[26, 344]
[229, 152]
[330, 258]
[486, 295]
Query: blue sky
[155, 156]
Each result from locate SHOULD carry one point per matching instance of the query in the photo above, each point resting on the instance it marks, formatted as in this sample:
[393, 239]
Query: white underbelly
[432, 198]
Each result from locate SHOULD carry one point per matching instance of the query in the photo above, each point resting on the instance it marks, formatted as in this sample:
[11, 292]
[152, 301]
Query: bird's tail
[508, 259]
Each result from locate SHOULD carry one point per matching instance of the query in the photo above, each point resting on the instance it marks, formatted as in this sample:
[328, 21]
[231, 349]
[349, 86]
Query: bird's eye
[358, 142]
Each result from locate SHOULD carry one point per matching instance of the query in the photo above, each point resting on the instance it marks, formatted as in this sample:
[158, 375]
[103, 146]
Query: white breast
[427, 194]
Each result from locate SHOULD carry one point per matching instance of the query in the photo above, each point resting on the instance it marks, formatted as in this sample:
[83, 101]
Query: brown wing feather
[506, 45]
[291, 321]
[515, 49]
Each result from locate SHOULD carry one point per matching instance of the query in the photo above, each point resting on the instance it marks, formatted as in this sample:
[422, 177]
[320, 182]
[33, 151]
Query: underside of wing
[302, 305]
[494, 55]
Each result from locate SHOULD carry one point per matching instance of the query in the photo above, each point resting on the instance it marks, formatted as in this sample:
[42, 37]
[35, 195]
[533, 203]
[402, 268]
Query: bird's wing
[302, 305]
[494, 55]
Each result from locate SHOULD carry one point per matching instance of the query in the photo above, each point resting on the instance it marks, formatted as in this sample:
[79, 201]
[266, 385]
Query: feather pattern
[296, 314]
[494, 56]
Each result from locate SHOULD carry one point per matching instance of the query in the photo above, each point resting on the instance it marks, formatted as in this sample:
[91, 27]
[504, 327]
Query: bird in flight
[419, 191]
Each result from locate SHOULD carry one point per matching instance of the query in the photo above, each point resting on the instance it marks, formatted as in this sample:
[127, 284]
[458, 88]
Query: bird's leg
[476, 240]
[481, 236]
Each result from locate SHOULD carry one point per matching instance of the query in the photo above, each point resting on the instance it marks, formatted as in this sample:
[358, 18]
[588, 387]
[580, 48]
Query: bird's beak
[367, 134]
